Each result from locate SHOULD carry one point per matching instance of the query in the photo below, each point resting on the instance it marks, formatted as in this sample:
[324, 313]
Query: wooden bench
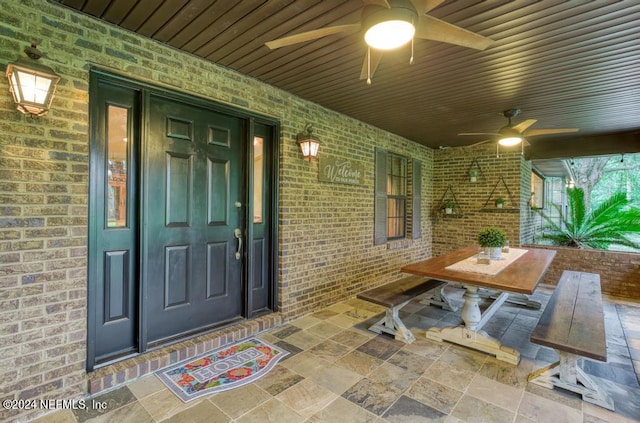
[573, 324]
[394, 296]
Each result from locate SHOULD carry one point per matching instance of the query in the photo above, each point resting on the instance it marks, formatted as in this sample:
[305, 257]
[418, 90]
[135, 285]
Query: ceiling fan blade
[522, 126]
[383, 3]
[478, 143]
[425, 6]
[312, 35]
[534, 132]
[430, 28]
[376, 56]
[477, 133]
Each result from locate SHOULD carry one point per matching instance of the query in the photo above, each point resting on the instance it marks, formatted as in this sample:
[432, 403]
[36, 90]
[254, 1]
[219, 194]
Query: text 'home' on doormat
[222, 369]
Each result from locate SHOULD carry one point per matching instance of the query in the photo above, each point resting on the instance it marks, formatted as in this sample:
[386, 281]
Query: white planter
[495, 253]
[499, 205]
[448, 210]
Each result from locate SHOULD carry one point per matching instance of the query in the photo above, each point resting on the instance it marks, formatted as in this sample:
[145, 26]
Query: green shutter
[416, 197]
[380, 199]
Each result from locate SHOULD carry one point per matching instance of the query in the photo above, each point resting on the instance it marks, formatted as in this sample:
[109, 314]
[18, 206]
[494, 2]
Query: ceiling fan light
[390, 34]
[509, 136]
[509, 141]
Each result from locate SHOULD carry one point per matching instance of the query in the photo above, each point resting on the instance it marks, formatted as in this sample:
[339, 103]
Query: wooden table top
[522, 276]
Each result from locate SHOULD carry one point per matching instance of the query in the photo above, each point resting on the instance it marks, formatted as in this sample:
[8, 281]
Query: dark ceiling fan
[389, 24]
[510, 134]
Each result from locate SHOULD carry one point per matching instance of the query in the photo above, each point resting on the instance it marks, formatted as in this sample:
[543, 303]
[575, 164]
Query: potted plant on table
[499, 202]
[448, 206]
[492, 239]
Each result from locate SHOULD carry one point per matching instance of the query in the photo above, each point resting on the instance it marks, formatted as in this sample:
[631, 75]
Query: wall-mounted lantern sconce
[32, 84]
[309, 144]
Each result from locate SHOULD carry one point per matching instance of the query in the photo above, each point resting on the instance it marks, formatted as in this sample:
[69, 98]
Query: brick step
[114, 375]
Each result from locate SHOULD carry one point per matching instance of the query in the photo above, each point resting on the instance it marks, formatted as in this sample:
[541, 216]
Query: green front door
[182, 222]
[193, 219]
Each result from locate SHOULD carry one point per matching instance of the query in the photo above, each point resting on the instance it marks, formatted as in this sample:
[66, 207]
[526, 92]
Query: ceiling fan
[510, 135]
[389, 24]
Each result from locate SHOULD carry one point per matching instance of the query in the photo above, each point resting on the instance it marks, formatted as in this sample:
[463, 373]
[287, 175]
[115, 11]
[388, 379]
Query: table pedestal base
[478, 340]
[519, 299]
[470, 334]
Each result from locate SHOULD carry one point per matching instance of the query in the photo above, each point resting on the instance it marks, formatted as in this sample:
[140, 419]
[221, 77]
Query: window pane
[537, 191]
[396, 175]
[397, 196]
[396, 217]
[258, 178]
[117, 174]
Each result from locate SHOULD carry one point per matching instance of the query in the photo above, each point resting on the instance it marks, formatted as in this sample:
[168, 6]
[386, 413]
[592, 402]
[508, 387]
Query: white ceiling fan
[389, 24]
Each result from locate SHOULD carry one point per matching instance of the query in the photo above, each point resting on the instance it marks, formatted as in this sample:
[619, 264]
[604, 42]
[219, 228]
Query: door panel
[193, 179]
[218, 190]
[217, 275]
[116, 285]
[178, 187]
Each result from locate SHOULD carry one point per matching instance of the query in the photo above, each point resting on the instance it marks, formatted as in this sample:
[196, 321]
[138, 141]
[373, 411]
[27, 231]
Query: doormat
[222, 369]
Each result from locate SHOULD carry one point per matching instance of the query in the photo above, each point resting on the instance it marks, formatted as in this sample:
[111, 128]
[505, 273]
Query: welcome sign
[340, 171]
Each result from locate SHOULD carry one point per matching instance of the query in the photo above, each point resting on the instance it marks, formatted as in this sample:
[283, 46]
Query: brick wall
[326, 230]
[451, 172]
[619, 272]
[326, 244]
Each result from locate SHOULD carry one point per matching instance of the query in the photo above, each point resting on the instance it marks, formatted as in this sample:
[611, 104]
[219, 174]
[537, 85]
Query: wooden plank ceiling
[564, 63]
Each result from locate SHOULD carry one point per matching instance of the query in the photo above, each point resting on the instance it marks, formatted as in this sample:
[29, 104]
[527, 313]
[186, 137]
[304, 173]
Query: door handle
[238, 234]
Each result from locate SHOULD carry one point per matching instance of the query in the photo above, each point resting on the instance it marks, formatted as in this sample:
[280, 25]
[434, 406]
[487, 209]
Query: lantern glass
[309, 148]
[33, 86]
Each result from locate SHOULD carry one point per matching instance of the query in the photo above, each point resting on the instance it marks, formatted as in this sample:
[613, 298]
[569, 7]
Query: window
[537, 191]
[258, 178]
[118, 157]
[397, 197]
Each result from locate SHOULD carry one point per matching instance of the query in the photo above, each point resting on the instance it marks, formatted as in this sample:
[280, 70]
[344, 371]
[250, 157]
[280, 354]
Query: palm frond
[610, 223]
[577, 208]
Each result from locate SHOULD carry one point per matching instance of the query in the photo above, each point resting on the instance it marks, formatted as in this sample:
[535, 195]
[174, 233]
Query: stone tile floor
[338, 371]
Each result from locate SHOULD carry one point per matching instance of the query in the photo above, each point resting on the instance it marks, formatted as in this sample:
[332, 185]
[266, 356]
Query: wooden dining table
[521, 276]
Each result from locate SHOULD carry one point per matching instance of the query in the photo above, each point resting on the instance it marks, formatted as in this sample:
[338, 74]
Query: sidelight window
[117, 159]
[258, 179]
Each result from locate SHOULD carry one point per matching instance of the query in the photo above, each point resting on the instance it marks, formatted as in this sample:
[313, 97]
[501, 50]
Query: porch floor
[338, 371]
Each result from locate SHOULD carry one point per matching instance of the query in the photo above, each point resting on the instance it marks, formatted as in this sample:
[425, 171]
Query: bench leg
[392, 325]
[440, 299]
[566, 374]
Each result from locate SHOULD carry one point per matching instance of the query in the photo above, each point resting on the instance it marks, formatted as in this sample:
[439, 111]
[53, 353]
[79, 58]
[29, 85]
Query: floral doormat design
[222, 369]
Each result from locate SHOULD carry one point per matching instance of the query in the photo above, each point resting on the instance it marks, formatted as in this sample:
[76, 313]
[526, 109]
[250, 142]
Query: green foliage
[492, 237]
[499, 200]
[449, 204]
[613, 222]
[619, 175]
